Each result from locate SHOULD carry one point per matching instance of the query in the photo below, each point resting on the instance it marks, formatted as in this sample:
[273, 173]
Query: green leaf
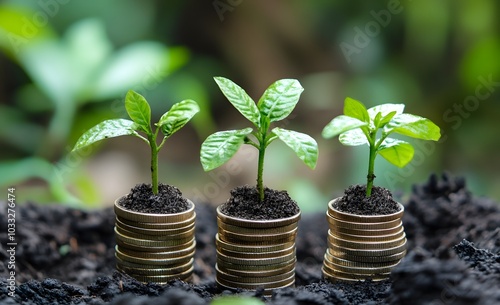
[303, 145]
[177, 116]
[219, 147]
[142, 64]
[240, 99]
[236, 300]
[385, 109]
[386, 119]
[279, 100]
[353, 137]
[413, 126]
[139, 111]
[341, 124]
[396, 152]
[356, 109]
[107, 129]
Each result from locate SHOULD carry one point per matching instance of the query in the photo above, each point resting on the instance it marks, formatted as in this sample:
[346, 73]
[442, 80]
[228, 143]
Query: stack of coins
[155, 247]
[362, 247]
[254, 254]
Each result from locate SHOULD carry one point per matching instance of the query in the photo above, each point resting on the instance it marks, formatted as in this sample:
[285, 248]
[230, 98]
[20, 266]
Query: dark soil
[245, 203]
[355, 201]
[65, 256]
[169, 200]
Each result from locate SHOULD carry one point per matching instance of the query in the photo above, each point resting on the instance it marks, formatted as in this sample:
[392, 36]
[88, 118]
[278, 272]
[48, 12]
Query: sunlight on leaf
[221, 146]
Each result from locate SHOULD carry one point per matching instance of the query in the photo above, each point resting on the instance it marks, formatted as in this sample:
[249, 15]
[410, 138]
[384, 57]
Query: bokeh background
[66, 65]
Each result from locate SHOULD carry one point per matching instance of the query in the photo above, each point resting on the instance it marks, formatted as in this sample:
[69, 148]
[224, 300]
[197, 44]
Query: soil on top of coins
[66, 256]
[141, 198]
[245, 203]
[355, 201]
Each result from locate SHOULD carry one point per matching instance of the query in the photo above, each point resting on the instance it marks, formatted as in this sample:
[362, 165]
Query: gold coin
[267, 292]
[363, 218]
[150, 243]
[152, 232]
[358, 270]
[248, 223]
[251, 248]
[348, 263]
[264, 243]
[368, 238]
[365, 245]
[255, 231]
[266, 285]
[364, 232]
[363, 226]
[253, 280]
[224, 265]
[124, 245]
[255, 261]
[159, 226]
[264, 255]
[355, 276]
[154, 218]
[158, 262]
[368, 259]
[337, 277]
[183, 235]
[163, 279]
[367, 252]
[157, 255]
[230, 236]
[260, 273]
[154, 271]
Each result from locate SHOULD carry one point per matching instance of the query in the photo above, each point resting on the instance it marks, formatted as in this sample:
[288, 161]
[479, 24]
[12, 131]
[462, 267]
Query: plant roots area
[66, 256]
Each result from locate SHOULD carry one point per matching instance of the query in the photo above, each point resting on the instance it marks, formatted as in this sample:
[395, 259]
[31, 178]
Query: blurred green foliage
[67, 65]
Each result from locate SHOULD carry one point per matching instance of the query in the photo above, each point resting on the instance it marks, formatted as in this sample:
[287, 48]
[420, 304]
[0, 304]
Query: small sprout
[139, 111]
[358, 126]
[277, 102]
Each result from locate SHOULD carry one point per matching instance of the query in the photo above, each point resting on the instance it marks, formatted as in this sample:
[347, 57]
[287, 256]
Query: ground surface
[65, 256]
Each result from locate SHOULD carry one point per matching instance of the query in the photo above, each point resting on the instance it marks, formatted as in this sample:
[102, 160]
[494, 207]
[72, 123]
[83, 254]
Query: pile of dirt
[66, 256]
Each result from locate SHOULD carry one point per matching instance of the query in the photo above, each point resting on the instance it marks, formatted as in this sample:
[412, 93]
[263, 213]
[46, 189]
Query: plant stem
[154, 162]
[371, 168]
[260, 169]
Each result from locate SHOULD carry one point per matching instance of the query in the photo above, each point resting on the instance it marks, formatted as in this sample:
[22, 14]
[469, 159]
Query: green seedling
[139, 111]
[358, 126]
[277, 102]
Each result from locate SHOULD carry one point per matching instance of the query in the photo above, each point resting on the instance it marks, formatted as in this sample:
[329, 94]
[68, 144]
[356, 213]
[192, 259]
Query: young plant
[277, 102]
[139, 111]
[358, 126]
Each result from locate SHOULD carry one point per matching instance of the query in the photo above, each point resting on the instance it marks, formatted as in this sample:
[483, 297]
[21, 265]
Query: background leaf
[341, 124]
[178, 116]
[105, 130]
[356, 109]
[219, 147]
[353, 137]
[303, 145]
[240, 99]
[279, 100]
[413, 126]
[138, 109]
[396, 152]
